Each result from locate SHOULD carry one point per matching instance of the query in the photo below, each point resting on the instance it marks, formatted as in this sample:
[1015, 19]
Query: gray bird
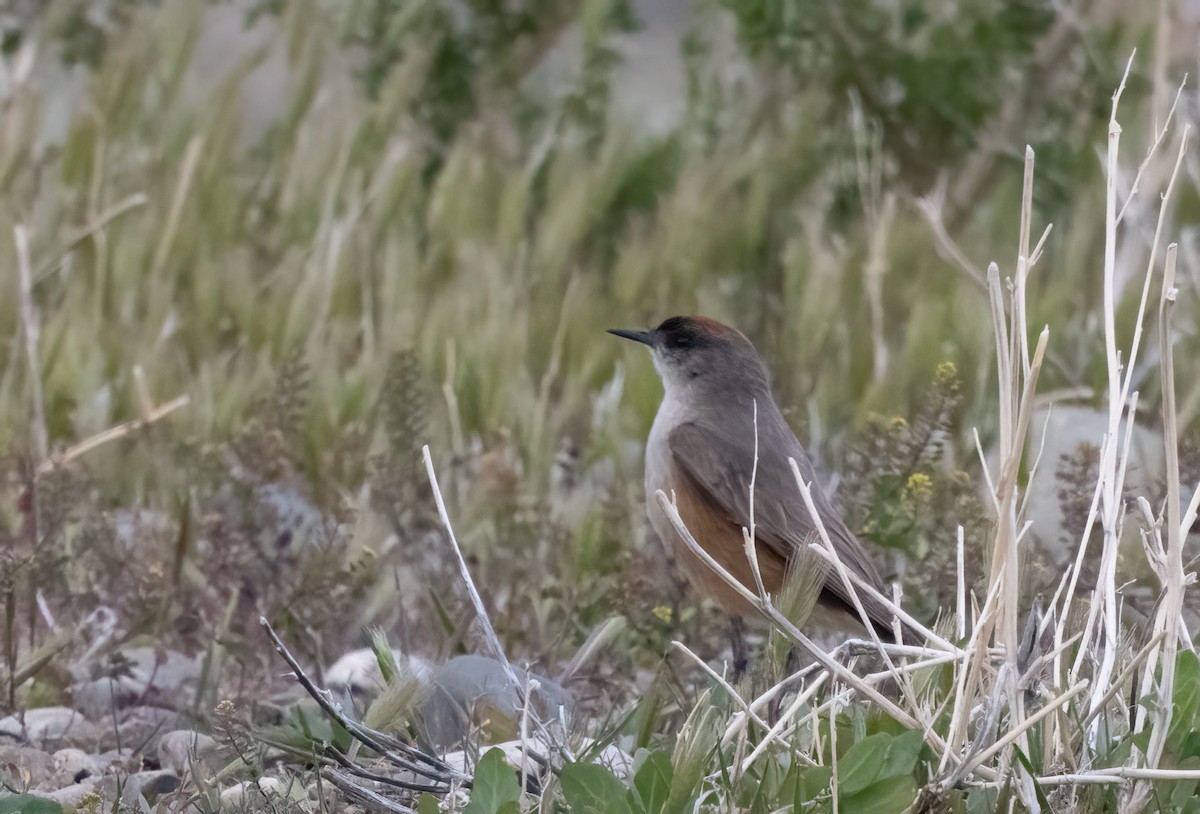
[701, 448]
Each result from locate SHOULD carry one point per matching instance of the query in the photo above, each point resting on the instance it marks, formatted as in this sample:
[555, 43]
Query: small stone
[179, 749]
[51, 726]
[617, 761]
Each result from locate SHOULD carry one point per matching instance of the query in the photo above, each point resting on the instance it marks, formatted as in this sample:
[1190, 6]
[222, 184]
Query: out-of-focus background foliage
[346, 229]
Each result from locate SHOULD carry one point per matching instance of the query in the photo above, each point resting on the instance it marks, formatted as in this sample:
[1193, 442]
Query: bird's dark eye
[681, 341]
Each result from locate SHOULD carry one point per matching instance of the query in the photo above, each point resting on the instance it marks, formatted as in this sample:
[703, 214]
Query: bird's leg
[791, 662]
[737, 642]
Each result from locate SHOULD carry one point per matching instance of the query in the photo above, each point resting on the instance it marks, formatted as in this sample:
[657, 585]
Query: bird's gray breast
[660, 465]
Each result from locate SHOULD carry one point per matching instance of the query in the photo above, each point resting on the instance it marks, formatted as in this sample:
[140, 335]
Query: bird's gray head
[698, 352]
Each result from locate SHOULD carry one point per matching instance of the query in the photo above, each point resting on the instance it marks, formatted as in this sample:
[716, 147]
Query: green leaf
[879, 757]
[653, 781]
[495, 785]
[591, 789]
[760, 792]
[893, 795]
[903, 753]
[28, 804]
[811, 783]
[1185, 700]
[1037, 787]
[428, 804]
[1178, 793]
[862, 763]
[982, 801]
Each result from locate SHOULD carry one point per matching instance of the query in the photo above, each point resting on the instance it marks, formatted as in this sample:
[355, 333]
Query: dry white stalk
[111, 434]
[911, 667]
[485, 622]
[930, 207]
[748, 540]
[985, 469]
[970, 675]
[1106, 613]
[1158, 232]
[1038, 664]
[1119, 391]
[1013, 734]
[741, 703]
[1160, 134]
[1037, 250]
[785, 720]
[1171, 604]
[985, 732]
[1019, 314]
[936, 642]
[1121, 679]
[93, 227]
[902, 680]
[960, 605]
[833, 759]
[1016, 388]
[1189, 516]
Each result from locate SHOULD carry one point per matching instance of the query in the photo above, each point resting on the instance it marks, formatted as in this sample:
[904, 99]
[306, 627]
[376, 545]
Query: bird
[702, 453]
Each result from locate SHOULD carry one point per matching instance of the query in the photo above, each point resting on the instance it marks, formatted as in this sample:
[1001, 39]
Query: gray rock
[469, 690]
[100, 697]
[163, 671]
[51, 726]
[178, 750]
[28, 767]
[1065, 428]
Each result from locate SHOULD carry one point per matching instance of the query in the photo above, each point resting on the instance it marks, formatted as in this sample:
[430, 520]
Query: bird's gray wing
[720, 463]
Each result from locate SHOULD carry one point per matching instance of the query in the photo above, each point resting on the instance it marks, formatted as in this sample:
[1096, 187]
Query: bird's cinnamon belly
[720, 538]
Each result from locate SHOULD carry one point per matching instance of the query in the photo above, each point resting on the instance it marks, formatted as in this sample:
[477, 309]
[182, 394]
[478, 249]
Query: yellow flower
[919, 486]
[897, 424]
[946, 371]
[663, 613]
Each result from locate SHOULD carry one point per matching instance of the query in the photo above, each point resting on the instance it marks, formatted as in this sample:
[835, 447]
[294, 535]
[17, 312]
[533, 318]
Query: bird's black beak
[637, 336]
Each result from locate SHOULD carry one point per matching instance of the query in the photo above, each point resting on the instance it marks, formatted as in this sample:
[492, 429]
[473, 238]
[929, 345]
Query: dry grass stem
[481, 613]
[31, 328]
